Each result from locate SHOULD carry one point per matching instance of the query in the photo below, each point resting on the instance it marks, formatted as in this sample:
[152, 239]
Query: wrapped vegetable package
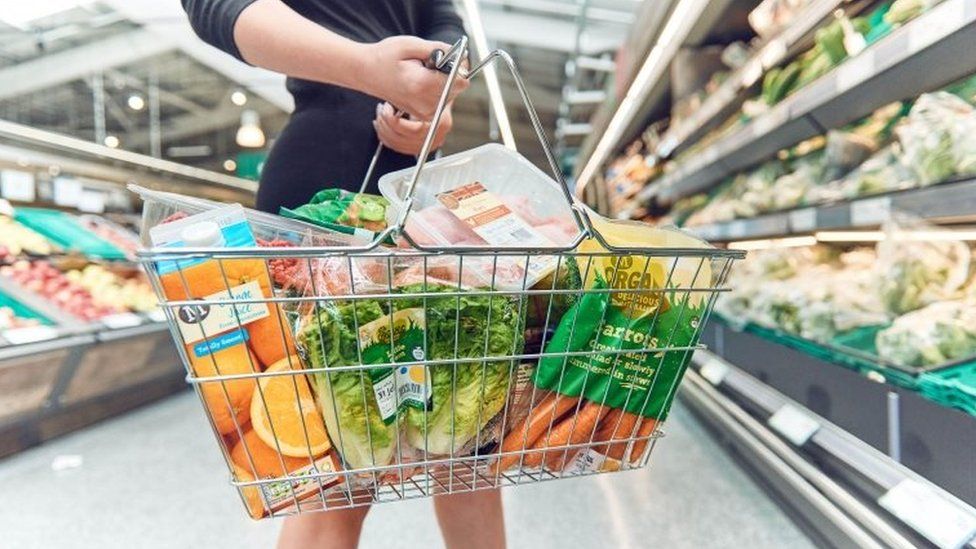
[620, 319]
[941, 332]
[928, 136]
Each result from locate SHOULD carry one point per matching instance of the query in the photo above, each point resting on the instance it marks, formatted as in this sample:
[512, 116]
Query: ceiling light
[230, 165]
[136, 102]
[762, 244]
[111, 141]
[238, 98]
[249, 135]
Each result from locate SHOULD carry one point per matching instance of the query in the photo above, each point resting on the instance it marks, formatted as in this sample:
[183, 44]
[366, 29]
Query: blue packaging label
[219, 343]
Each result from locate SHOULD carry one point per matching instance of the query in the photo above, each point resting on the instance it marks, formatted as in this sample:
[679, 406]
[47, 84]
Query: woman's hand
[407, 136]
[395, 71]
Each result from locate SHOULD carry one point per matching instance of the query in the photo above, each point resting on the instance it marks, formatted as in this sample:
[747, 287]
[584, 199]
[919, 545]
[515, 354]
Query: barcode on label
[522, 234]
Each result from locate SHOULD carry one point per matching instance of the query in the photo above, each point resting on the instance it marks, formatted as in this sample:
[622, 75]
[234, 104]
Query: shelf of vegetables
[923, 54]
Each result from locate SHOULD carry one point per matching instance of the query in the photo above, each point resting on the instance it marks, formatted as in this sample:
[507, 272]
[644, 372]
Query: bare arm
[269, 34]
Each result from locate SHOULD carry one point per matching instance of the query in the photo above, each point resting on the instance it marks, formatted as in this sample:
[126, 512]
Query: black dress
[329, 139]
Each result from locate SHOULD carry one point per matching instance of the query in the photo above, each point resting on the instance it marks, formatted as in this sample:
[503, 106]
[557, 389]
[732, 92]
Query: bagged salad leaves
[938, 333]
[359, 214]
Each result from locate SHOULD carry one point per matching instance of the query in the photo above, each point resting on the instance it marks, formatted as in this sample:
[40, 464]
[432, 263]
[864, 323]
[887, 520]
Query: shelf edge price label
[929, 513]
[121, 320]
[29, 334]
[803, 220]
[17, 185]
[714, 371]
[795, 425]
[870, 211]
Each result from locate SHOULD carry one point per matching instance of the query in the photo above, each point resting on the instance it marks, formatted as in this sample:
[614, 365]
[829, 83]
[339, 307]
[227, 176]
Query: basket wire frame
[413, 472]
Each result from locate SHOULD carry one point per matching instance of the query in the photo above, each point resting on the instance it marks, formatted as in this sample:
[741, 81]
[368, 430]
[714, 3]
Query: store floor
[153, 479]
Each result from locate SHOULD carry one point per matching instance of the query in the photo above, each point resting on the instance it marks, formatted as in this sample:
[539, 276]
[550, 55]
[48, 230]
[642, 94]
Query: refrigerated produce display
[691, 273]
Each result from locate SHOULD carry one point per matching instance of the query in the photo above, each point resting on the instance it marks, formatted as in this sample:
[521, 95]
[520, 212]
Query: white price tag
[30, 334]
[67, 191]
[91, 201]
[870, 211]
[935, 25]
[17, 186]
[803, 220]
[714, 371]
[795, 425]
[121, 320]
[853, 71]
[752, 71]
[935, 517]
[157, 315]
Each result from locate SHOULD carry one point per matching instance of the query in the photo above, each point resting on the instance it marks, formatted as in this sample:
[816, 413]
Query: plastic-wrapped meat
[475, 272]
[338, 276]
[560, 231]
[440, 219]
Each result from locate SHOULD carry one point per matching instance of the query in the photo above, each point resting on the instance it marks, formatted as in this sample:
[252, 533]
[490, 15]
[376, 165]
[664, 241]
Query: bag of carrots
[610, 370]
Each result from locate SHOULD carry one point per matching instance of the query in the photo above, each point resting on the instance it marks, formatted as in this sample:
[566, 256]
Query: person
[347, 64]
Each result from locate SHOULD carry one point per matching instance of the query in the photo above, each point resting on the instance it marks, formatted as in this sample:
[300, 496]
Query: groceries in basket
[521, 344]
[270, 425]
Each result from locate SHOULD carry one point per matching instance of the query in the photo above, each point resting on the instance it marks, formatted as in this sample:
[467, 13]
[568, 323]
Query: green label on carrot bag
[623, 328]
[397, 338]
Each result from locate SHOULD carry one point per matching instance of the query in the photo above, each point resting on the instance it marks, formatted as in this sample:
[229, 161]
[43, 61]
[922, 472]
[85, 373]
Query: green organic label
[636, 315]
[397, 339]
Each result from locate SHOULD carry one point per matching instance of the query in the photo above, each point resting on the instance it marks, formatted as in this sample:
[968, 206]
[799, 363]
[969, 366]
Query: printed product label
[496, 223]
[588, 461]
[627, 335]
[206, 320]
[397, 339]
[321, 474]
[219, 343]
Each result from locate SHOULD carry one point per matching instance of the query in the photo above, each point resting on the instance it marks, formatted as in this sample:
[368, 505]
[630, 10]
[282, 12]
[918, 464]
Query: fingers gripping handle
[438, 60]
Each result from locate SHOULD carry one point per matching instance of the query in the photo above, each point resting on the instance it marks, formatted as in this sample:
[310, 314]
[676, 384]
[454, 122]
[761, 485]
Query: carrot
[646, 428]
[528, 431]
[573, 430]
[620, 430]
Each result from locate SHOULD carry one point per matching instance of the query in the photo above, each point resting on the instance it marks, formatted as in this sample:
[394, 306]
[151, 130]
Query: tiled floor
[153, 479]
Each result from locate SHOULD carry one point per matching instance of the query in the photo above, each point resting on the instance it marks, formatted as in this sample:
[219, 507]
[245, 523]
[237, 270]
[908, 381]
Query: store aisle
[153, 479]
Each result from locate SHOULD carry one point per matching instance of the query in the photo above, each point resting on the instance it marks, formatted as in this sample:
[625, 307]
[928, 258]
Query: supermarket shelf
[926, 53]
[949, 202]
[731, 94]
[689, 30]
[56, 386]
[868, 418]
[869, 485]
[23, 147]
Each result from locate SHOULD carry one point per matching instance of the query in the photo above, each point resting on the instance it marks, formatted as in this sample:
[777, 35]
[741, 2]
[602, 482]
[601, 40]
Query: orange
[291, 410]
[265, 336]
[231, 409]
[251, 494]
[208, 278]
[265, 458]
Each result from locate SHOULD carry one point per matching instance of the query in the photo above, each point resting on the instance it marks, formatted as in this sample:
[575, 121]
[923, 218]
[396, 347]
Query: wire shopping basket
[387, 373]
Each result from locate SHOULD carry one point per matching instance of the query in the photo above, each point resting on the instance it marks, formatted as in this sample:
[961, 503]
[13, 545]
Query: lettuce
[465, 396]
[346, 398]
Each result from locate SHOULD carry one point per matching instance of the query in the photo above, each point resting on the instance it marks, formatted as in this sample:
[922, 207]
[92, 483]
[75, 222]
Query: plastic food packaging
[362, 215]
[771, 16]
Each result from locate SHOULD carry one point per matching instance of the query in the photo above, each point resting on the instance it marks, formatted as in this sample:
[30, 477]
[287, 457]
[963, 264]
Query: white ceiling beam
[548, 33]
[167, 21]
[51, 70]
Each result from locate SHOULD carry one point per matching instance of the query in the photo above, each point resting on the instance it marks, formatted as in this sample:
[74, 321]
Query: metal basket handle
[450, 63]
